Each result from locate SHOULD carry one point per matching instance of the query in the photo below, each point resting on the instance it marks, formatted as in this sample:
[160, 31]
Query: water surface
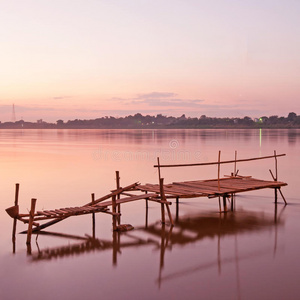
[251, 253]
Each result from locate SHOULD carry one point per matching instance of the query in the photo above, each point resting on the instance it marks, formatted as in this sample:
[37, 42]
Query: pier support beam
[30, 223]
[15, 219]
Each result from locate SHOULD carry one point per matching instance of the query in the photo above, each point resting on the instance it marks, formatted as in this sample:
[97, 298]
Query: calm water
[251, 253]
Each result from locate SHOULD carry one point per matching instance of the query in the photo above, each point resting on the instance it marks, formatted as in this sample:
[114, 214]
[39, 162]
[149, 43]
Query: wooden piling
[93, 217]
[276, 171]
[177, 208]
[114, 209]
[15, 219]
[30, 223]
[118, 196]
[161, 186]
[219, 159]
[235, 157]
[224, 203]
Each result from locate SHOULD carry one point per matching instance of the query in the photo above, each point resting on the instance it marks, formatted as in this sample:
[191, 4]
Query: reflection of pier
[225, 188]
[188, 230]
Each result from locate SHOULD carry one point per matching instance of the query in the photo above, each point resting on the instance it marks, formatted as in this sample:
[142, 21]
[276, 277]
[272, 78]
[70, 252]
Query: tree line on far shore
[159, 121]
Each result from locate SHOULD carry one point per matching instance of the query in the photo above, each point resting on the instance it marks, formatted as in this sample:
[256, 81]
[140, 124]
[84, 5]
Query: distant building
[40, 121]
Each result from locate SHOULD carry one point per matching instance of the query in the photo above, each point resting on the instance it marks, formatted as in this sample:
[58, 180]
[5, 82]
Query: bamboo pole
[15, 219]
[276, 171]
[158, 165]
[235, 157]
[114, 209]
[118, 196]
[161, 185]
[224, 203]
[282, 196]
[29, 231]
[93, 217]
[219, 158]
[215, 163]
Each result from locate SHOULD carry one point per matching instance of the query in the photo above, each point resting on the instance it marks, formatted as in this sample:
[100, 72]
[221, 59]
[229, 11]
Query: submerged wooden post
[219, 158]
[93, 217]
[30, 223]
[177, 208]
[276, 171]
[118, 196]
[15, 219]
[224, 203]
[161, 186]
[114, 210]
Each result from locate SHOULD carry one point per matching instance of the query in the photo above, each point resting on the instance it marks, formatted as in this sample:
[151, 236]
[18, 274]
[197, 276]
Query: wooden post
[177, 208]
[114, 210]
[282, 196]
[161, 185]
[93, 217]
[118, 196]
[224, 203]
[146, 192]
[15, 219]
[235, 157]
[158, 165]
[31, 218]
[232, 203]
[275, 189]
[219, 158]
[276, 171]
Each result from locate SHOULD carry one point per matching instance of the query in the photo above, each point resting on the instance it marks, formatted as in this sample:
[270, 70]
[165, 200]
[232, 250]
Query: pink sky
[67, 59]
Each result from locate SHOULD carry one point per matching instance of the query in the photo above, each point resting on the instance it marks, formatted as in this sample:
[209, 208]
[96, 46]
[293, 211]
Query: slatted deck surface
[71, 211]
[211, 188]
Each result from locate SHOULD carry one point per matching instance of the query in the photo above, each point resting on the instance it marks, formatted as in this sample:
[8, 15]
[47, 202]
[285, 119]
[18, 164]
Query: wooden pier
[226, 188]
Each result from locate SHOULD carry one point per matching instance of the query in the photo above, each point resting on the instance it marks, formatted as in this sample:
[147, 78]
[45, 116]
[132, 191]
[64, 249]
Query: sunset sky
[68, 59]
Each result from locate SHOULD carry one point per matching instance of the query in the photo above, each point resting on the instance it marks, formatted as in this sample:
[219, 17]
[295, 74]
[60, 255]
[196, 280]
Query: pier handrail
[217, 163]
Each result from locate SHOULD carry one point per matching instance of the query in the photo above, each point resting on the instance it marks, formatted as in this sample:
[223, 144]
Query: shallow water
[251, 253]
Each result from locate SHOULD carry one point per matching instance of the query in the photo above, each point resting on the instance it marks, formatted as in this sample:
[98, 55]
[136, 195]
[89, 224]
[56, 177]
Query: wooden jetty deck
[211, 188]
[160, 193]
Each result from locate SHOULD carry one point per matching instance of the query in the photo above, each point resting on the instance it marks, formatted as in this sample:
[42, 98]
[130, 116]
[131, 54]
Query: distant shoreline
[138, 121]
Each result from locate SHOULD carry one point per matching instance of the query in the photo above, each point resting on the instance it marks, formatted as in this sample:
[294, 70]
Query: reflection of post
[15, 219]
[93, 217]
[115, 247]
[162, 253]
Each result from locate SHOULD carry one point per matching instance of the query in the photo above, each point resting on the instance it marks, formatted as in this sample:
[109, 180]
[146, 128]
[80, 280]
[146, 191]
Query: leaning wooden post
[219, 158]
[158, 165]
[118, 196]
[161, 185]
[114, 209]
[15, 219]
[30, 223]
